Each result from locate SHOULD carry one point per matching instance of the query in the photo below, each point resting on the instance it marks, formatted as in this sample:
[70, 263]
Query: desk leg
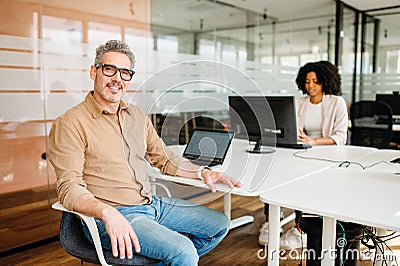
[273, 236]
[227, 205]
[237, 221]
[328, 241]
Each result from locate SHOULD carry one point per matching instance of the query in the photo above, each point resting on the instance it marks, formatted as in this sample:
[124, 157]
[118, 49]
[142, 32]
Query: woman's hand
[303, 137]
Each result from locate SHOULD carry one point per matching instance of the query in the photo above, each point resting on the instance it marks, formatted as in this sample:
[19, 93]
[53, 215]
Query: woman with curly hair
[322, 116]
[322, 119]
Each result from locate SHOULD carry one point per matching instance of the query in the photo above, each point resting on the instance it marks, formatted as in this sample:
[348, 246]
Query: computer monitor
[284, 111]
[393, 100]
[268, 120]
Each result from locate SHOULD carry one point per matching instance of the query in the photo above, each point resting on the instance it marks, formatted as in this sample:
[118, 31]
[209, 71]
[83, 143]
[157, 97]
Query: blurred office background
[47, 47]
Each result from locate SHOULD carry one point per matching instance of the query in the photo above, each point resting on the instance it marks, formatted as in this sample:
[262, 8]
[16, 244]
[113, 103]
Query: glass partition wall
[46, 50]
[47, 47]
[380, 54]
[249, 38]
[26, 185]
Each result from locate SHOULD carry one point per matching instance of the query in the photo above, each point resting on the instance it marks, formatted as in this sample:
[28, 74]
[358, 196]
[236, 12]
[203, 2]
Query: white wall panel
[64, 61]
[58, 103]
[21, 43]
[21, 107]
[69, 80]
[21, 59]
[66, 48]
[19, 79]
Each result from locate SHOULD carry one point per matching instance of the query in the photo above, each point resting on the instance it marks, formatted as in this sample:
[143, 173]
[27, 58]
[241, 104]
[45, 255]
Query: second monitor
[268, 120]
[393, 100]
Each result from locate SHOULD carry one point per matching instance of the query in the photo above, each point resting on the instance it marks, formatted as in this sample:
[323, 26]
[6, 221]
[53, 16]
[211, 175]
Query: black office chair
[75, 243]
[371, 124]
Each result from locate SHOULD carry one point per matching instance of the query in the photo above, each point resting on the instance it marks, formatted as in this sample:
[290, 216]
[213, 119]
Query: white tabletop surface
[366, 196]
[261, 172]
[257, 172]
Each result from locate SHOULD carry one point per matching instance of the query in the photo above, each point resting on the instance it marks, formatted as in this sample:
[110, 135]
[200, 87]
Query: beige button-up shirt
[105, 154]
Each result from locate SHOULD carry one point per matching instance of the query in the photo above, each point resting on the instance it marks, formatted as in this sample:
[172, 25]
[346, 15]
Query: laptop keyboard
[204, 163]
[294, 145]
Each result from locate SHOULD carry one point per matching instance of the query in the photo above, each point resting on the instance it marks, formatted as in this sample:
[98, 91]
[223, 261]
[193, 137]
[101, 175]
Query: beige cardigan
[334, 116]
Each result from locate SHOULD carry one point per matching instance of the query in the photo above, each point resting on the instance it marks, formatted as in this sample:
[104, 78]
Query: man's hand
[212, 177]
[118, 228]
[121, 233]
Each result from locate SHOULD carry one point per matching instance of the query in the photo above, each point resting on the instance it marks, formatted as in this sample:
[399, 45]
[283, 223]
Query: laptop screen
[208, 147]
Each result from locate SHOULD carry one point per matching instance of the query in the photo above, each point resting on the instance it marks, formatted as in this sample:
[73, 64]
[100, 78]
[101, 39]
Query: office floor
[240, 247]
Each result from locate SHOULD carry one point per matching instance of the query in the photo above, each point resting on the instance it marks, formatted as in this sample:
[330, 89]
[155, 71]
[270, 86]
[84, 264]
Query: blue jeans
[172, 230]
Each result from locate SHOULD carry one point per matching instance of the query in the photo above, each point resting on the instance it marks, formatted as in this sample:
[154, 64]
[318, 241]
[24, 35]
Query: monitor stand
[258, 148]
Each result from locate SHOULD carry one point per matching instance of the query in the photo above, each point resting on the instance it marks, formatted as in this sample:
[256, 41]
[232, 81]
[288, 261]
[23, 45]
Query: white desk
[395, 127]
[349, 194]
[257, 172]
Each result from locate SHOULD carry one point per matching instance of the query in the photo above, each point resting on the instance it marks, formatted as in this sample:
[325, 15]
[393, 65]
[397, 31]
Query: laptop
[208, 147]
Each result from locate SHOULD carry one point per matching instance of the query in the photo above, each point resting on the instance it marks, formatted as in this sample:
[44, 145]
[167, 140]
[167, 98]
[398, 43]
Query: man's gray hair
[114, 46]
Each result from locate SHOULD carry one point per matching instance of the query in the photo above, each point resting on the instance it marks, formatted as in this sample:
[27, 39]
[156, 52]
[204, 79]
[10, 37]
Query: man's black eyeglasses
[110, 70]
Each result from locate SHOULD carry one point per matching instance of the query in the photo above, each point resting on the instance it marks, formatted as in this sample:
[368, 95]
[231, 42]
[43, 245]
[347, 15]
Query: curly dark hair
[327, 74]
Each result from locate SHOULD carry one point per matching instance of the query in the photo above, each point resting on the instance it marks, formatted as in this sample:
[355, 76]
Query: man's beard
[111, 98]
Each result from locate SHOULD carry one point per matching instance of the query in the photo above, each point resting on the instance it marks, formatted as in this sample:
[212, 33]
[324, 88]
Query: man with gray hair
[99, 150]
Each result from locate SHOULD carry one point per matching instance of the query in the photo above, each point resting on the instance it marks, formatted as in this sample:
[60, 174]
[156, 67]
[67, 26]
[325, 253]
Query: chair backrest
[75, 243]
[371, 124]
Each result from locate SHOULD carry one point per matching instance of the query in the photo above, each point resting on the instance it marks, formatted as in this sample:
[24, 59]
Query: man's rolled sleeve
[172, 164]
[65, 150]
[159, 155]
[69, 195]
